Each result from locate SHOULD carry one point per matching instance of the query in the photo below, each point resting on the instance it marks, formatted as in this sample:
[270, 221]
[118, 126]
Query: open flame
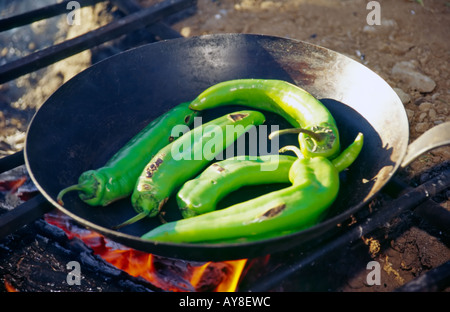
[166, 274]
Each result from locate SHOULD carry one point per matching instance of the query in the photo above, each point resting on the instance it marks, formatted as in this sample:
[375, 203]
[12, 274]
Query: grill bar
[24, 214]
[407, 201]
[137, 19]
[436, 279]
[11, 161]
[127, 24]
[40, 14]
[159, 29]
[429, 211]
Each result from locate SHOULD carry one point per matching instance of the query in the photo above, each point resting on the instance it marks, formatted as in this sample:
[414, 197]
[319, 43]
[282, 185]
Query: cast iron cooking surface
[95, 113]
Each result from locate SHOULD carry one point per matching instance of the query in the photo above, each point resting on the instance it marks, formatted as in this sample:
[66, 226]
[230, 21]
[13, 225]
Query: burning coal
[167, 274]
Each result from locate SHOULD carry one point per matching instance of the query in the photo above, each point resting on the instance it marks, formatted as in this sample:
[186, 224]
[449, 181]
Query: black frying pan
[90, 117]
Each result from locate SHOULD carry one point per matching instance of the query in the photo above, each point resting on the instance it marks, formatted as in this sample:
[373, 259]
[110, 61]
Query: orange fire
[9, 287]
[166, 274]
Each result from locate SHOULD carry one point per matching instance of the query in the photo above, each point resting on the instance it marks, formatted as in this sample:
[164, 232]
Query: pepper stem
[76, 187]
[316, 136]
[132, 220]
[291, 148]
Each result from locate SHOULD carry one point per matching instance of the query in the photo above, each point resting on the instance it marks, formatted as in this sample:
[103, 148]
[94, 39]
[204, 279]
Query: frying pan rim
[116, 234]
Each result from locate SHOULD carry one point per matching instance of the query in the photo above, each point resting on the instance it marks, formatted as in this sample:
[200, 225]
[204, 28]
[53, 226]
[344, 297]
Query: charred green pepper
[201, 195]
[186, 157]
[315, 185]
[117, 178]
[318, 133]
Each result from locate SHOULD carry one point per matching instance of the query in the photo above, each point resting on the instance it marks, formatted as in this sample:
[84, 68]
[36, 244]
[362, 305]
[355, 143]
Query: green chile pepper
[201, 195]
[315, 185]
[318, 133]
[186, 157]
[117, 178]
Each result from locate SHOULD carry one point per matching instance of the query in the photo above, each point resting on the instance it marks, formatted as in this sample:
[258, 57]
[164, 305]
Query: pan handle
[435, 137]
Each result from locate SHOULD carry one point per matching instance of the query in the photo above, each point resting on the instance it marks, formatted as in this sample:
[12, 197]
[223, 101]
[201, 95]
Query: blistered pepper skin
[315, 185]
[117, 178]
[186, 157]
[202, 194]
[294, 207]
[319, 135]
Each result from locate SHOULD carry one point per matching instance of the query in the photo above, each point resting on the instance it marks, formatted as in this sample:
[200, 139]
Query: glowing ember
[167, 274]
[12, 185]
[9, 287]
[16, 186]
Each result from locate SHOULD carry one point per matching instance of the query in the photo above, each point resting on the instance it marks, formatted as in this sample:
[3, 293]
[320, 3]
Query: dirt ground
[408, 32]
[410, 49]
